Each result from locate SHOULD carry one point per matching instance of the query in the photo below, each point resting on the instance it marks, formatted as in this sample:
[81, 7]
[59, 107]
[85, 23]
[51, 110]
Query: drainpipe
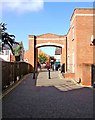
[66, 54]
[34, 57]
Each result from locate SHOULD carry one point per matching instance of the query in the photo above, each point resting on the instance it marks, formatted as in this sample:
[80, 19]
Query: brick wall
[69, 75]
[86, 74]
[45, 38]
[79, 51]
[82, 20]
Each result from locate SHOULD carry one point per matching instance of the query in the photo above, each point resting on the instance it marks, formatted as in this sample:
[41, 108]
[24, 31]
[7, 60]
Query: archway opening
[52, 53]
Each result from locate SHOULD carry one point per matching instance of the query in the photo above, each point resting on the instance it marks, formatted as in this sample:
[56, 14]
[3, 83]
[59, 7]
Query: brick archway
[46, 40]
[49, 44]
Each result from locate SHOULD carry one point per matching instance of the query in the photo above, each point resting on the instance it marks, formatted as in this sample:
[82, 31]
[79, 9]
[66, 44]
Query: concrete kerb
[13, 86]
[81, 84]
[72, 80]
[76, 82]
[60, 75]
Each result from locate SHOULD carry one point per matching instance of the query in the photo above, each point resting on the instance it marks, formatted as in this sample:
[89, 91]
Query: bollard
[49, 73]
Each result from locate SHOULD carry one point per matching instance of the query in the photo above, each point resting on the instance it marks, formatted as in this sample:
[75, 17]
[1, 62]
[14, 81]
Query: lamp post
[49, 68]
[34, 57]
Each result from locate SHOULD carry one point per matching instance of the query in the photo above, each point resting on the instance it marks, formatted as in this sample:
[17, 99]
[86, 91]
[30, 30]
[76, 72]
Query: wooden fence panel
[13, 70]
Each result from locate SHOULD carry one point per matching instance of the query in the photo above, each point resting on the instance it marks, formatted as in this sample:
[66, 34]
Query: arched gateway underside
[49, 44]
[48, 39]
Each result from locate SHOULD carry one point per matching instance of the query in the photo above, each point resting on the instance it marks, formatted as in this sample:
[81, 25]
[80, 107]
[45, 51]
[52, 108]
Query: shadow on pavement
[29, 101]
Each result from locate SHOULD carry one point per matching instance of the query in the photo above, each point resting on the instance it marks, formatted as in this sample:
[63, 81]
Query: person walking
[48, 68]
[39, 65]
[63, 70]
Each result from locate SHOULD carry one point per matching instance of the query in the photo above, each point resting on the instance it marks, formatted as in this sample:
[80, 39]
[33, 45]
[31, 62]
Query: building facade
[44, 40]
[7, 55]
[58, 54]
[78, 46]
[80, 54]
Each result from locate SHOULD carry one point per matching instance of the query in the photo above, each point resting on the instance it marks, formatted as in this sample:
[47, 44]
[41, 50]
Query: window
[73, 32]
[0, 47]
[1, 52]
[73, 62]
[7, 52]
[92, 40]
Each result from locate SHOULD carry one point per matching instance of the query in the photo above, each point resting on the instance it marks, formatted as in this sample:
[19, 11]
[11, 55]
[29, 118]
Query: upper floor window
[73, 32]
[7, 52]
[4, 52]
[0, 47]
[1, 52]
[92, 41]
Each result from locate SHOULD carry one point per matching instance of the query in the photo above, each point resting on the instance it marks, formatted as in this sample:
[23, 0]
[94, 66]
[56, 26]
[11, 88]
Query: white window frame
[73, 63]
[73, 32]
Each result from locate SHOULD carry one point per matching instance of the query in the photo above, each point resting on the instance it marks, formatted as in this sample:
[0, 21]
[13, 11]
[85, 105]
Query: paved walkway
[48, 98]
[56, 80]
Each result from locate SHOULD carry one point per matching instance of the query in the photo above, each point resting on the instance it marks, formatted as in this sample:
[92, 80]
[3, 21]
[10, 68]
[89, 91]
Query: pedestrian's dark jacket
[62, 68]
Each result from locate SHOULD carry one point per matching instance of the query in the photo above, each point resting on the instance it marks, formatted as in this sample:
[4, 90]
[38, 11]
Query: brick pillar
[63, 57]
[36, 57]
[31, 50]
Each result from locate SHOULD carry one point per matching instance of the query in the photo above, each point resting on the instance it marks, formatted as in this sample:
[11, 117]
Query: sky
[36, 17]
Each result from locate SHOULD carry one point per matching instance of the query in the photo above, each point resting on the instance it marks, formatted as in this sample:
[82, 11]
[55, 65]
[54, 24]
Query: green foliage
[6, 38]
[17, 50]
[42, 58]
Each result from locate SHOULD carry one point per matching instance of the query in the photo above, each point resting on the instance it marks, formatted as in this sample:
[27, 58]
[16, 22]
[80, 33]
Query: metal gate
[93, 75]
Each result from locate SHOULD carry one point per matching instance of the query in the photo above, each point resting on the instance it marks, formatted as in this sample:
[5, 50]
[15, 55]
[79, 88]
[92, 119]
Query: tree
[42, 58]
[17, 51]
[6, 39]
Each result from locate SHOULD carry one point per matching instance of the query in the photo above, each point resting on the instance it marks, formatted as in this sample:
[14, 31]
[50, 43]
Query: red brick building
[78, 50]
[48, 39]
[80, 53]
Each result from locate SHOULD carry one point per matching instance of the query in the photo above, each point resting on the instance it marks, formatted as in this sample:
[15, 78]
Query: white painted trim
[48, 43]
[92, 38]
[73, 63]
[80, 15]
[30, 38]
[51, 38]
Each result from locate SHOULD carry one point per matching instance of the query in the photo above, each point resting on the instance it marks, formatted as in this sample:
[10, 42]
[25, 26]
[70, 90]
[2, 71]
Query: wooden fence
[13, 71]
